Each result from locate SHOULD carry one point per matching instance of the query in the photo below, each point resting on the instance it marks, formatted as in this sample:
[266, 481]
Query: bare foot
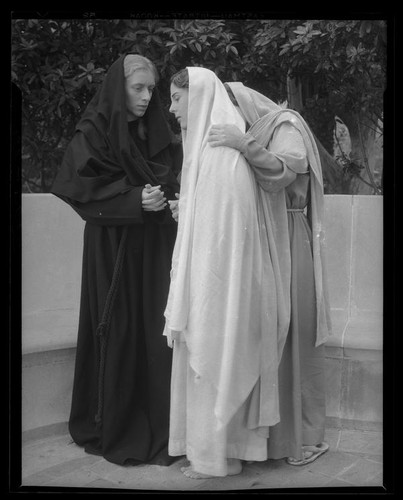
[234, 467]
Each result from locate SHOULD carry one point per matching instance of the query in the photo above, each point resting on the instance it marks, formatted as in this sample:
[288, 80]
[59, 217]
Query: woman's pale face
[179, 104]
[139, 90]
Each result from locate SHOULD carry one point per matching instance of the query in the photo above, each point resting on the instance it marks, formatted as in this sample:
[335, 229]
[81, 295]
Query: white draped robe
[226, 315]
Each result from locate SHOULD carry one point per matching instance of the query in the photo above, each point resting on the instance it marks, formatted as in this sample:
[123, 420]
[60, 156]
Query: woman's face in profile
[179, 104]
[139, 90]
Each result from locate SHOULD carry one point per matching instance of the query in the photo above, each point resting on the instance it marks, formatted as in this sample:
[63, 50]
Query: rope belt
[103, 327]
[295, 209]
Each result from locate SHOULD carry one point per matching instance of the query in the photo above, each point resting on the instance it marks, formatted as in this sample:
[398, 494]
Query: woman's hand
[153, 199]
[225, 135]
[174, 206]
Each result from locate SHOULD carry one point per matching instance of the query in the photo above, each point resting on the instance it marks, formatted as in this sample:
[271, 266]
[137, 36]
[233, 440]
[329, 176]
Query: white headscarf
[223, 298]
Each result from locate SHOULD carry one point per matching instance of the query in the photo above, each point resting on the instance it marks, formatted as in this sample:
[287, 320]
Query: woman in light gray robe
[282, 153]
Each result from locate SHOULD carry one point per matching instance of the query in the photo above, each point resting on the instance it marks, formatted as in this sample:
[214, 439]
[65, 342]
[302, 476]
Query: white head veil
[223, 299]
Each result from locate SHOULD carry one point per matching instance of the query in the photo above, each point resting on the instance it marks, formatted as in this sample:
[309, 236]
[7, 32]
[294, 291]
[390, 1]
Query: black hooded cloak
[120, 400]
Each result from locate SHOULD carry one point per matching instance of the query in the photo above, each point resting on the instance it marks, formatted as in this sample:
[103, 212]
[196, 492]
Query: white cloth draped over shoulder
[225, 300]
[264, 116]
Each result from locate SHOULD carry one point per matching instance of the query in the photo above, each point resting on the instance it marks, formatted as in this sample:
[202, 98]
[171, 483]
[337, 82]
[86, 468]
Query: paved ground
[354, 460]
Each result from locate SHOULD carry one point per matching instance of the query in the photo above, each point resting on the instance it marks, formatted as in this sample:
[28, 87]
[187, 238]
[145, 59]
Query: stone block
[39, 329]
[367, 254]
[51, 254]
[362, 390]
[363, 473]
[334, 345]
[368, 444]
[363, 337]
[334, 367]
[47, 380]
[338, 225]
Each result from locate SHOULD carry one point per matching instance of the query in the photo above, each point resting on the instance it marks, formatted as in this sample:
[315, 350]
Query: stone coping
[51, 273]
[360, 335]
[352, 336]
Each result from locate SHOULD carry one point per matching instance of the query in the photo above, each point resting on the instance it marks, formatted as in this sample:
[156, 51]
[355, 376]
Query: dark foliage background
[322, 68]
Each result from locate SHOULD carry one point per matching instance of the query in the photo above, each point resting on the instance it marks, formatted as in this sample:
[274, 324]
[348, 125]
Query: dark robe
[120, 400]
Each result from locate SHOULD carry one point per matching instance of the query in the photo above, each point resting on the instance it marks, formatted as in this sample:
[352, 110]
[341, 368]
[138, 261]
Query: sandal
[310, 454]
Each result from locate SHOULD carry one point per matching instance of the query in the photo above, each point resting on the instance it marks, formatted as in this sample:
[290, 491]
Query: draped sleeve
[278, 167]
[122, 209]
[95, 187]
[103, 171]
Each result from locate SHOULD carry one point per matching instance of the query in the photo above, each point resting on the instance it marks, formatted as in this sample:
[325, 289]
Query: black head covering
[102, 159]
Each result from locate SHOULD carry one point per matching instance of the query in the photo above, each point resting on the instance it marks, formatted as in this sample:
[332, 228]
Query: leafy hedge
[57, 64]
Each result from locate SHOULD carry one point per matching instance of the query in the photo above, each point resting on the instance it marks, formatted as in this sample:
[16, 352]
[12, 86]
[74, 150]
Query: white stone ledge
[49, 330]
[52, 235]
[360, 336]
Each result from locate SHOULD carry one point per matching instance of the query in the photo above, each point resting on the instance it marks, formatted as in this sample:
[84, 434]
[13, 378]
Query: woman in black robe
[120, 400]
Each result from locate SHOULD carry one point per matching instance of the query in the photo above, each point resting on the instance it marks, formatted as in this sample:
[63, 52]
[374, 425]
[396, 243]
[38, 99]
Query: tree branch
[366, 164]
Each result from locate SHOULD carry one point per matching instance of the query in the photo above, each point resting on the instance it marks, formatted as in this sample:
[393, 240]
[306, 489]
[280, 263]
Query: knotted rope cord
[103, 326]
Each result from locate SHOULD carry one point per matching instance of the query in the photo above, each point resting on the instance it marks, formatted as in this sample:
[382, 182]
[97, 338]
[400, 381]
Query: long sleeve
[124, 208]
[276, 167]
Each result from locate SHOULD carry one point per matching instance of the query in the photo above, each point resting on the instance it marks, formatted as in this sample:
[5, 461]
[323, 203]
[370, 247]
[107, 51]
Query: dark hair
[181, 79]
[231, 95]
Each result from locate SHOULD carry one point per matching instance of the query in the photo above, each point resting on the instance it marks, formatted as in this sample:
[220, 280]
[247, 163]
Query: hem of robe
[312, 437]
[285, 450]
[234, 451]
[200, 296]
[289, 449]
[208, 453]
[162, 457]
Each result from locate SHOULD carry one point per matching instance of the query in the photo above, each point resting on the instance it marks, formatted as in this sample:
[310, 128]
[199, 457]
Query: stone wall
[355, 266]
[52, 235]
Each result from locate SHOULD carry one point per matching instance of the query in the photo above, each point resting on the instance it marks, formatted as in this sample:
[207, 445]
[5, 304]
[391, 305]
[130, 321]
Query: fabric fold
[224, 300]
[265, 117]
[102, 161]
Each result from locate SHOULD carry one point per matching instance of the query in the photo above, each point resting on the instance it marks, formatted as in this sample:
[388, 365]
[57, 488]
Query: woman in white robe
[226, 315]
